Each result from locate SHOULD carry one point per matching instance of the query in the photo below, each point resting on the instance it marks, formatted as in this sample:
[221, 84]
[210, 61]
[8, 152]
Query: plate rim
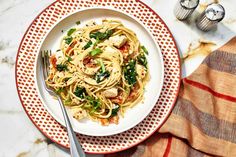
[124, 148]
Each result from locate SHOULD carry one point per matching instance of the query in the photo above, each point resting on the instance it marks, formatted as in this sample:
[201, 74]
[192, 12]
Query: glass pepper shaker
[213, 14]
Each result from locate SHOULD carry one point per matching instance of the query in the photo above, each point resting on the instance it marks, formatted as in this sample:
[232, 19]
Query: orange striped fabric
[203, 121]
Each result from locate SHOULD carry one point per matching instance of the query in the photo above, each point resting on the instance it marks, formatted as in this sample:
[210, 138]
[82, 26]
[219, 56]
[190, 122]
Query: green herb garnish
[92, 104]
[96, 42]
[66, 79]
[89, 43]
[115, 110]
[142, 60]
[69, 58]
[100, 35]
[80, 92]
[144, 49]
[100, 76]
[71, 31]
[95, 52]
[67, 102]
[78, 22]
[59, 90]
[61, 67]
[68, 40]
[130, 72]
[102, 65]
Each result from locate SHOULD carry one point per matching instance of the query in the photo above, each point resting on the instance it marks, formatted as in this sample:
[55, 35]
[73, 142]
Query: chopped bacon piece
[125, 50]
[118, 99]
[89, 62]
[104, 122]
[53, 61]
[70, 47]
[51, 76]
[134, 93]
[68, 50]
[114, 119]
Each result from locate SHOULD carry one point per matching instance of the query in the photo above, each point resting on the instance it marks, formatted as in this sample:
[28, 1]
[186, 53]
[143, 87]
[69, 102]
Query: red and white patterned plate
[29, 96]
[132, 116]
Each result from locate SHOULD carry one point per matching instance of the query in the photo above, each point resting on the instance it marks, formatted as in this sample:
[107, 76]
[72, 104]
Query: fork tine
[43, 64]
[44, 60]
[48, 61]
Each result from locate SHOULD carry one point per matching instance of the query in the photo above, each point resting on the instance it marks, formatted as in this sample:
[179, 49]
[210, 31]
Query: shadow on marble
[66, 151]
[217, 32]
[207, 41]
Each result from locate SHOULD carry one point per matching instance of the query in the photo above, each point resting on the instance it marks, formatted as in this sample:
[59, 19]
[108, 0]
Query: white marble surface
[18, 136]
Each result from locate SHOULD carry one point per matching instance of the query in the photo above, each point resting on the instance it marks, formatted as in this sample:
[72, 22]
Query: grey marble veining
[18, 136]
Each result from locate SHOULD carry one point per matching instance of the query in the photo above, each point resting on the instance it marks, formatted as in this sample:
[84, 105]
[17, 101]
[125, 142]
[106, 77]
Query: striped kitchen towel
[203, 121]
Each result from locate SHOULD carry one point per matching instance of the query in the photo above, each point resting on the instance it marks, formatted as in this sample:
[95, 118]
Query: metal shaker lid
[215, 12]
[189, 4]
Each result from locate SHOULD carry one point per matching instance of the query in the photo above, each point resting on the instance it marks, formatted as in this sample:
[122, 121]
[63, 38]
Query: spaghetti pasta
[99, 71]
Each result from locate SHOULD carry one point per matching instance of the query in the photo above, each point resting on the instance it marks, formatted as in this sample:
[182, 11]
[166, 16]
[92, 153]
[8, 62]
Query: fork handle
[75, 148]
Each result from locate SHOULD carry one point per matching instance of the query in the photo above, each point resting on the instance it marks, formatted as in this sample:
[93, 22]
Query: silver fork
[75, 147]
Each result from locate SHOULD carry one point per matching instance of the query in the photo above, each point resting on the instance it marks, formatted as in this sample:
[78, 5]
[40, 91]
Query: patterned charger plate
[27, 85]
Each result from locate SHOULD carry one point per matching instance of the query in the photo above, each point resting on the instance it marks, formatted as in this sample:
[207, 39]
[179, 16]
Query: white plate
[134, 115]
